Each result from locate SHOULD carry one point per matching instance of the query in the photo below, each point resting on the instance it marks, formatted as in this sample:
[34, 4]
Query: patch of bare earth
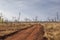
[34, 32]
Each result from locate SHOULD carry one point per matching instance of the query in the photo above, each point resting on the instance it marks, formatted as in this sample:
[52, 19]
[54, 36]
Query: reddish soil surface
[35, 32]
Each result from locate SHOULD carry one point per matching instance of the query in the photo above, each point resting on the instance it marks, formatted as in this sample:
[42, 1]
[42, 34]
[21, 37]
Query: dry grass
[52, 30]
[7, 28]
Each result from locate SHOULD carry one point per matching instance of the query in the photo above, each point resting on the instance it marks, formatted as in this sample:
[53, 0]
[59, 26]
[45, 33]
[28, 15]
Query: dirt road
[35, 32]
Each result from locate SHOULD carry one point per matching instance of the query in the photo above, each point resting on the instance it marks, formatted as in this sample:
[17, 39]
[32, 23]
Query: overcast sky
[30, 8]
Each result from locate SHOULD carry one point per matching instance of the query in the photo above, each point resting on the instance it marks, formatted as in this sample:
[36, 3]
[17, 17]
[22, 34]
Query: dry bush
[52, 31]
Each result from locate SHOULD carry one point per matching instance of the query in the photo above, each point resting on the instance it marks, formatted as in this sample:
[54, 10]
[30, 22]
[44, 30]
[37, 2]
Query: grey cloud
[31, 7]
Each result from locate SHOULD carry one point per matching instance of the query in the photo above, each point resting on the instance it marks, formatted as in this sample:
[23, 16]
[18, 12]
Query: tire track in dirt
[33, 33]
[37, 34]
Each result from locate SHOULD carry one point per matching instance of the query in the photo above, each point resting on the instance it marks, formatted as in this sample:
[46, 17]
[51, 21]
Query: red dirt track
[35, 32]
